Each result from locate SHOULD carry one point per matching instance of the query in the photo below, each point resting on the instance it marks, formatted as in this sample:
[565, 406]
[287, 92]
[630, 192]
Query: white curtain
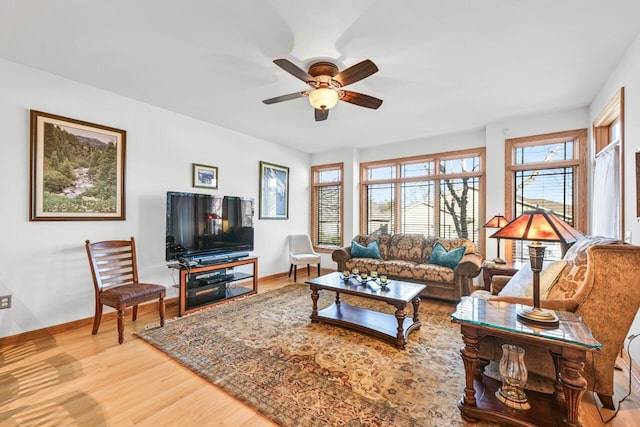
[606, 193]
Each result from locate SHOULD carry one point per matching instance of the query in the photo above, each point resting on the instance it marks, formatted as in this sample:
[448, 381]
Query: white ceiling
[445, 66]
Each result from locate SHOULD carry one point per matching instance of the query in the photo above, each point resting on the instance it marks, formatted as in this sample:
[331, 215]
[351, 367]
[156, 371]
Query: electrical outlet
[5, 301]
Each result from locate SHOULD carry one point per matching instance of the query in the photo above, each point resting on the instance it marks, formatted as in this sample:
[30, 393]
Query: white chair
[301, 252]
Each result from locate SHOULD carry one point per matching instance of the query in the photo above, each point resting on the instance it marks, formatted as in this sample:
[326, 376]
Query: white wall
[626, 74]
[43, 264]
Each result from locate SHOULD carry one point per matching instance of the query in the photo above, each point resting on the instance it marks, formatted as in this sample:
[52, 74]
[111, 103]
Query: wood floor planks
[73, 378]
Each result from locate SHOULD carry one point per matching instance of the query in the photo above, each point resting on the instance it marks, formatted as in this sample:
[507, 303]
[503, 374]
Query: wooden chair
[115, 279]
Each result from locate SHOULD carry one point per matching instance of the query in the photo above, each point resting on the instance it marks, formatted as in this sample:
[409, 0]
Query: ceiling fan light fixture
[323, 98]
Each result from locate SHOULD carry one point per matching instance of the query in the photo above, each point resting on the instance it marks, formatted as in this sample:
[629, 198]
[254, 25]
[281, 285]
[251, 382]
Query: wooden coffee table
[390, 327]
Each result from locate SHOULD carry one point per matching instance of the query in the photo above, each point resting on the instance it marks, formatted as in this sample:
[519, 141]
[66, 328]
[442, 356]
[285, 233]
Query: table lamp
[497, 221]
[538, 226]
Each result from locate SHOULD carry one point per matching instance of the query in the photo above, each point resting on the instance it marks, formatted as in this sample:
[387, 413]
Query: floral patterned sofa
[406, 257]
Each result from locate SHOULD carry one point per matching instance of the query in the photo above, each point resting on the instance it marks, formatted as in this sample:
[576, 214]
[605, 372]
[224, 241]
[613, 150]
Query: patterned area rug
[265, 351]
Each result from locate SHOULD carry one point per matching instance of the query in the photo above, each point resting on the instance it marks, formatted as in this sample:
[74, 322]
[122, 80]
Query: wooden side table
[568, 345]
[490, 269]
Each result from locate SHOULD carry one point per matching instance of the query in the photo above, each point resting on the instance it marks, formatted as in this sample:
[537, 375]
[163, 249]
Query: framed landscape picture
[205, 176]
[77, 170]
[274, 191]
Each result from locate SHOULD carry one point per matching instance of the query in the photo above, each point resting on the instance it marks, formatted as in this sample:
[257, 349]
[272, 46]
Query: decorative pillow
[549, 276]
[521, 284]
[370, 251]
[440, 256]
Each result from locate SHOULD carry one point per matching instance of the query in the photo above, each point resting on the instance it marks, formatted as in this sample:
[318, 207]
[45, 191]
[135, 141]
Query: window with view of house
[326, 206]
[435, 195]
[547, 172]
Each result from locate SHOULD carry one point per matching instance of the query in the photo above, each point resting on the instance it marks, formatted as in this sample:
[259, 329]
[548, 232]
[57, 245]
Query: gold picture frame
[204, 176]
[77, 170]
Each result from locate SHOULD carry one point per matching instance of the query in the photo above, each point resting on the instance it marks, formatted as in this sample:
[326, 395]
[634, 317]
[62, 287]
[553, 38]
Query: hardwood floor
[71, 378]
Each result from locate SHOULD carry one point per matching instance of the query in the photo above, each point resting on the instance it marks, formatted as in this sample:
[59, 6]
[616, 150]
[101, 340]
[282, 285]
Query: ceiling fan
[326, 85]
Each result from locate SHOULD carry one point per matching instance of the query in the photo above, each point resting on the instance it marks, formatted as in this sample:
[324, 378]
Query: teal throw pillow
[440, 256]
[370, 251]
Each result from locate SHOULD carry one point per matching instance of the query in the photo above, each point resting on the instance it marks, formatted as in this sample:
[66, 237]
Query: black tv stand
[202, 286]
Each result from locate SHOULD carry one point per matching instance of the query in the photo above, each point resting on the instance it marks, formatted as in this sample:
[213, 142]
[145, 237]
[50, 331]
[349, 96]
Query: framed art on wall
[274, 191]
[205, 176]
[77, 170]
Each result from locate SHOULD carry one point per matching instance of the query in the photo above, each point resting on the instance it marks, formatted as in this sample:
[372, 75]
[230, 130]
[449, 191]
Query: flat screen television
[200, 225]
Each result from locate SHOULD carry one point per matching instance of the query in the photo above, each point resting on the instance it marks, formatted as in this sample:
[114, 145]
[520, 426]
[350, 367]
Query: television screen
[205, 224]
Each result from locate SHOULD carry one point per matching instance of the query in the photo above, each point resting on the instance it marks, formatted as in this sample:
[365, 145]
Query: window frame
[436, 176]
[578, 163]
[315, 185]
[611, 115]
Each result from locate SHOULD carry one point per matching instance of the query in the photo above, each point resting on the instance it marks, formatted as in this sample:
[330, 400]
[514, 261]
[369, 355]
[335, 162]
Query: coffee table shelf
[381, 325]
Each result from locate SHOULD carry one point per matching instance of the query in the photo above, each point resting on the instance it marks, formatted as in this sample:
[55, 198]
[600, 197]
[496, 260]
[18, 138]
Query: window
[326, 206]
[435, 195]
[547, 172]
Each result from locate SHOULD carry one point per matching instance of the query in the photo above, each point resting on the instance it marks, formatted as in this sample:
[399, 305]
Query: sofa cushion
[440, 255]
[366, 265]
[382, 239]
[397, 268]
[433, 273]
[370, 251]
[406, 247]
[448, 244]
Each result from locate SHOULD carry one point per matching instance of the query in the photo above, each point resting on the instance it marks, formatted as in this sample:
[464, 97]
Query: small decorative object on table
[383, 281]
[514, 377]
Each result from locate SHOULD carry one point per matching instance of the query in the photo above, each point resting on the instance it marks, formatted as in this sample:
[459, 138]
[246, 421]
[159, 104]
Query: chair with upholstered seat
[115, 280]
[300, 253]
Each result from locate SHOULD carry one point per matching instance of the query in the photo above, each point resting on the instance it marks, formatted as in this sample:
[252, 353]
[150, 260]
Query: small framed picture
[205, 176]
[274, 191]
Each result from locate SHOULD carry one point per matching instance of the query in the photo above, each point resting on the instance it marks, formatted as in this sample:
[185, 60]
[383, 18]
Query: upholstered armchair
[300, 253]
[601, 285]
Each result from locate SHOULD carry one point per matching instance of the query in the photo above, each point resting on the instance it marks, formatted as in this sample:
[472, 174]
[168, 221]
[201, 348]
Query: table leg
[557, 363]
[573, 382]
[400, 315]
[337, 298]
[314, 298]
[416, 306]
[470, 357]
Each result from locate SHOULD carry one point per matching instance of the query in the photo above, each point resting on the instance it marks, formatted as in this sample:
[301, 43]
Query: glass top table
[502, 316]
[568, 344]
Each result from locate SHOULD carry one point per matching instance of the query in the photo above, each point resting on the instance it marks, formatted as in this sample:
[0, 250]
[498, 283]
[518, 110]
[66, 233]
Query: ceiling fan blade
[361, 100]
[293, 69]
[282, 98]
[356, 72]
[321, 114]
